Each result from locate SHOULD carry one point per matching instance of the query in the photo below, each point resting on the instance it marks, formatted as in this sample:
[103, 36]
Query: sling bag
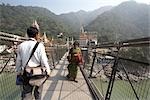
[31, 73]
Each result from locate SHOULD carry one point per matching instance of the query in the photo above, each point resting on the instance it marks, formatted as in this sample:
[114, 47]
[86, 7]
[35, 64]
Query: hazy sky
[64, 6]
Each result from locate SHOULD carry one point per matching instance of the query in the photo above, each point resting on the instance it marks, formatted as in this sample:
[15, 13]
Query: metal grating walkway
[57, 87]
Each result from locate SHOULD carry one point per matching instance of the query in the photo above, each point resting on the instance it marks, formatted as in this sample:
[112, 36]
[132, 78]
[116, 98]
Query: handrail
[11, 37]
[95, 94]
[126, 43]
[5, 65]
[136, 40]
[141, 42]
[136, 61]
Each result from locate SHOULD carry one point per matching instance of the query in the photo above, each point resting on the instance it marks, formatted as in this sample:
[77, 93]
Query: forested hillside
[125, 21]
[16, 19]
[81, 18]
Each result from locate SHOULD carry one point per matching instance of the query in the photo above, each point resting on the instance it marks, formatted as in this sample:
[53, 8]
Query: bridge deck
[57, 87]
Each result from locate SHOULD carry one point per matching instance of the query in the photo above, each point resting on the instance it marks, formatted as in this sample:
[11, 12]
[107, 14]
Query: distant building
[87, 38]
[82, 30]
[92, 39]
[60, 35]
[83, 39]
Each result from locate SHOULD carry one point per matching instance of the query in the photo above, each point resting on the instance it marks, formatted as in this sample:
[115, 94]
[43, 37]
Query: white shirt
[38, 58]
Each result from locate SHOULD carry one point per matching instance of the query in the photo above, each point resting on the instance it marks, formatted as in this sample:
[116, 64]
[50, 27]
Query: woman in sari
[74, 58]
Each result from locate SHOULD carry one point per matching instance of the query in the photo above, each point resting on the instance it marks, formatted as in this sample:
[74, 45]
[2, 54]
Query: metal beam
[10, 39]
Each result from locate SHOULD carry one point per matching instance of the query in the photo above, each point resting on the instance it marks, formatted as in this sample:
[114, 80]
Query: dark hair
[32, 31]
[76, 43]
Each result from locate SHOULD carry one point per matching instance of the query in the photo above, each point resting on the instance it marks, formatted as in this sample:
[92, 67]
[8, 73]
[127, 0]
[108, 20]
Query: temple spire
[35, 24]
[45, 40]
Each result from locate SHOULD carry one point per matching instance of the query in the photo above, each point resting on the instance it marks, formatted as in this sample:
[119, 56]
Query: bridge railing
[119, 70]
[8, 88]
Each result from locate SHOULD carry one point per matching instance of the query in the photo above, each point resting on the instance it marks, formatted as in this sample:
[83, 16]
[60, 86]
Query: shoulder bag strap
[33, 50]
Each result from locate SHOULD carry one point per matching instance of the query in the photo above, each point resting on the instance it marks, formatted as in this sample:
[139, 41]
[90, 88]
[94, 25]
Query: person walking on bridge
[74, 58]
[38, 58]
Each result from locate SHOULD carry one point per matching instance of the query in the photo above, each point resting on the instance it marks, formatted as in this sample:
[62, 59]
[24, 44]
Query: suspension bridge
[108, 73]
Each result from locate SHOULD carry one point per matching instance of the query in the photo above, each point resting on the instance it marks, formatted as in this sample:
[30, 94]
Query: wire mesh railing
[55, 54]
[8, 88]
[133, 80]
[120, 71]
